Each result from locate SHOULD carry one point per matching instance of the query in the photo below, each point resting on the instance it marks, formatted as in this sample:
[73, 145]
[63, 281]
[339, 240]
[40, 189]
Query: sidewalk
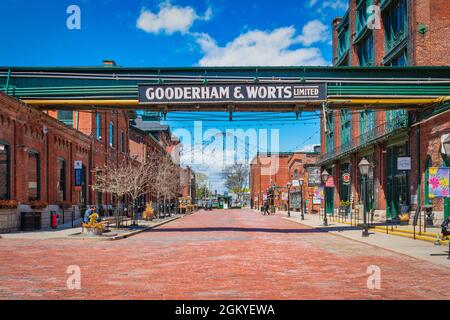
[410, 247]
[67, 232]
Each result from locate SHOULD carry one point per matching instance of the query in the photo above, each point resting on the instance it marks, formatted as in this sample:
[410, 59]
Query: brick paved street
[231, 254]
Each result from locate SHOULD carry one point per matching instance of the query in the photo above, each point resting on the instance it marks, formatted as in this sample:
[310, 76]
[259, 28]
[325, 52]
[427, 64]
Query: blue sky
[177, 33]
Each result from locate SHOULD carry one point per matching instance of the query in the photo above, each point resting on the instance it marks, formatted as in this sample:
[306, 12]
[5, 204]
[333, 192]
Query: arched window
[4, 172]
[98, 126]
[33, 175]
[61, 179]
[111, 134]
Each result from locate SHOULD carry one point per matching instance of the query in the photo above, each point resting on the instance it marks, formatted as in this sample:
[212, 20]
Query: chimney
[109, 63]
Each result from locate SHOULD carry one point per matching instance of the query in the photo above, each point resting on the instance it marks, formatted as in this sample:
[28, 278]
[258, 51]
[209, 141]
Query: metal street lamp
[301, 200]
[289, 184]
[325, 175]
[364, 167]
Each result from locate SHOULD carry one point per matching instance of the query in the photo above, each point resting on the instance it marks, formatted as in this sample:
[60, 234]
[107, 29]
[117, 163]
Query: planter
[92, 231]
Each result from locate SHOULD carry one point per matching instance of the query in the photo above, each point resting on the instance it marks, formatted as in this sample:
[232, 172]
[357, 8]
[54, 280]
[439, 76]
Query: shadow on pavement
[239, 229]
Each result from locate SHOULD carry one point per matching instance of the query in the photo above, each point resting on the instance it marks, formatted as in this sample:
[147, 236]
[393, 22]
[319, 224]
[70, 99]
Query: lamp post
[289, 198]
[302, 208]
[364, 167]
[325, 175]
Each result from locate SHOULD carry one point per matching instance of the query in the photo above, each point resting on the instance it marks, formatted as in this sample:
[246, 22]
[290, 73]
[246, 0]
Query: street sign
[230, 93]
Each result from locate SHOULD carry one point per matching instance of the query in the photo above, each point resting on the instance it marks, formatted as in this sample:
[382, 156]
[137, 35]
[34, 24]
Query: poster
[438, 182]
[313, 176]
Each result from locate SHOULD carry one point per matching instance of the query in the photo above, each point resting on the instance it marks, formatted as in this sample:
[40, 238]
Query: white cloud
[256, 47]
[314, 31]
[170, 19]
[335, 4]
[311, 3]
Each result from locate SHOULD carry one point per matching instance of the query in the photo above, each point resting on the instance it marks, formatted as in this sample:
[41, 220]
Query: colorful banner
[438, 182]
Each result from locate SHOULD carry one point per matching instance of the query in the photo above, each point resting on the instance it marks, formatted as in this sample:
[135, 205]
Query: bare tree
[236, 176]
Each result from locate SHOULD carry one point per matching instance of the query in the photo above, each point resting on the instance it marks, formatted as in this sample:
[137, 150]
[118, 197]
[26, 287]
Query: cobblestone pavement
[227, 254]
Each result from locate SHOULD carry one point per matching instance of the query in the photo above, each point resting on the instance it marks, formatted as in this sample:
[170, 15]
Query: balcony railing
[384, 130]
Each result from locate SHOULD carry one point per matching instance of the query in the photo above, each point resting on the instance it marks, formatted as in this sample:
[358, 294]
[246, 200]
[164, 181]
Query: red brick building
[274, 171]
[38, 155]
[410, 33]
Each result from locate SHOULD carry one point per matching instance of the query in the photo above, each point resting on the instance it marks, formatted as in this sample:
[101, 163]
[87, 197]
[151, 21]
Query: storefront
[397, 181]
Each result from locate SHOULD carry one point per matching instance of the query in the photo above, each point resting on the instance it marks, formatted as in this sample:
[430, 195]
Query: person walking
[445, 227]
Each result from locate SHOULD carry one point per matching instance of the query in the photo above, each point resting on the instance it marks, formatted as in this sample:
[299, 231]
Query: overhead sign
[404, 163]
[231, 93]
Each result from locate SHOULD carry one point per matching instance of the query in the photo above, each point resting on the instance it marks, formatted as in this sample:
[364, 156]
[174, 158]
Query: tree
[236, 176]
[201, 181]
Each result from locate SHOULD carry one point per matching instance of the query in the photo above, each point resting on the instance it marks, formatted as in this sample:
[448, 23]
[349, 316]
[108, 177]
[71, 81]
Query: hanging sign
[346, 178]
[439, 182]
[330, 182]
[245, 92]
[78, 166]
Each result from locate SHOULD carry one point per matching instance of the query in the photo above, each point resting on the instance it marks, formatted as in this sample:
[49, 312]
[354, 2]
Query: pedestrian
[266, 208]
[445, 227]
[87, 213]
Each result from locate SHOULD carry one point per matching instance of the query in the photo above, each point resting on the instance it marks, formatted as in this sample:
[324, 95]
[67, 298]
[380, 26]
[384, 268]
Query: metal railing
[369, 136]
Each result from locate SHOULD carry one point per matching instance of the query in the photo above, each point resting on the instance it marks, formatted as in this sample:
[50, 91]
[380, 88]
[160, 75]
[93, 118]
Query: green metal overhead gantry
[117, 87]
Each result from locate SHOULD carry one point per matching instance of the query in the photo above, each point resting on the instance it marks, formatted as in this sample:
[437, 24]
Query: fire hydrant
[54, 220]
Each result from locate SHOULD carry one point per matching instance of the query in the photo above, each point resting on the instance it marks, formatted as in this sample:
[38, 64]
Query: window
[4, 172]
[343, 42]
[66, 117]
[111, 134]
[395, 21]
[361, 15]
[61, 179]
[365, 51]
[367, 125]
[122, 141]
[345, 126]
[33, 175]
[330, 133]
[400, 61]
[98, 126]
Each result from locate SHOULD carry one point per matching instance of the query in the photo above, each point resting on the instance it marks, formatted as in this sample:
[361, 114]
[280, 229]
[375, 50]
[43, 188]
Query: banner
[438, 181]
[215, 93]
[313, 176]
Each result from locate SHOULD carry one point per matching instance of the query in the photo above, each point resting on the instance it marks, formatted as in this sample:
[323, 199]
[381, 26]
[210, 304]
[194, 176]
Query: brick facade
[41, 154]
[277, 170]
[426, 43]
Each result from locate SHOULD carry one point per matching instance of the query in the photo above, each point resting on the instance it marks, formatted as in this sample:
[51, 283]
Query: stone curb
[340, 234]
[122, 236]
